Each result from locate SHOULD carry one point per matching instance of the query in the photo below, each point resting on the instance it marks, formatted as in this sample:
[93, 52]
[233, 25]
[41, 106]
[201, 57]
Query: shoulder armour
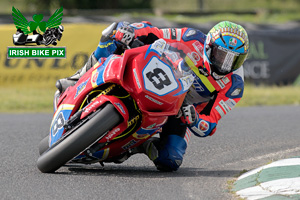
[193, 34]
[237, 88]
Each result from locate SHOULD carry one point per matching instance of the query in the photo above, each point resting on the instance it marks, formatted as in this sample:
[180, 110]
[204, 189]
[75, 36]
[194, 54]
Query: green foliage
[92, 4]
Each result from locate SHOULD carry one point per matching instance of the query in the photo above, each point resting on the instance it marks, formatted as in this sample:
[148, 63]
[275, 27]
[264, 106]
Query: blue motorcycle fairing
[57, 126]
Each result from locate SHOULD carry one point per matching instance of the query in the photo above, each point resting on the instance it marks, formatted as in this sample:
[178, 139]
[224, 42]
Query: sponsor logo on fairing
[187, 81]
[133, 120]
[120, 107]
[136, 78]
[154, 100]
[112, 133]
[58, 124]
[95, 75]
[140, 136]
[92, 106]
[151, 126]
[129, 144]
[81, 87]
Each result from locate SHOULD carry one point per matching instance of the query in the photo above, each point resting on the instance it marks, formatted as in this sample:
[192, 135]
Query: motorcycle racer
[216, 61]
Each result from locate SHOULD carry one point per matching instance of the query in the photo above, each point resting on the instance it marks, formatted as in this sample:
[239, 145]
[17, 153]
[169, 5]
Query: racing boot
[149, 148]
[63, 84]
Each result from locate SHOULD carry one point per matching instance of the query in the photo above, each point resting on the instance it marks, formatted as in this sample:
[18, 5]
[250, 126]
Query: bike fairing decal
[120, 107]
[129, 144]
[158, 77]
[144, 133]
[101, 155]
[81, 87]
[97, 75]
[186, 83]
[136, 78]
[62, 114]
[157, 47]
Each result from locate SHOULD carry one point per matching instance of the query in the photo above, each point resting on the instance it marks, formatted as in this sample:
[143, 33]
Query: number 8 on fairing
[158, 74]
[158, 77]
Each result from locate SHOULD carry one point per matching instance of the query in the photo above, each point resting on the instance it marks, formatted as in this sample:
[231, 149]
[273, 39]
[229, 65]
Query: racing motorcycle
[117, 105]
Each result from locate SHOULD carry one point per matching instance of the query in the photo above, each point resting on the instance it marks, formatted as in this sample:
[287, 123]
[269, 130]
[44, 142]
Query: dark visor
[225, 61]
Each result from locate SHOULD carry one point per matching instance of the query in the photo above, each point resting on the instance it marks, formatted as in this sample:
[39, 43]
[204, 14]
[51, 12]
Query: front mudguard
[101, 100]
[120, 107]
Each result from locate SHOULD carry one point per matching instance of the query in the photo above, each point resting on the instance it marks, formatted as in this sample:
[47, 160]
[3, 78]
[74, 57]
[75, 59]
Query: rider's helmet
[225, 48]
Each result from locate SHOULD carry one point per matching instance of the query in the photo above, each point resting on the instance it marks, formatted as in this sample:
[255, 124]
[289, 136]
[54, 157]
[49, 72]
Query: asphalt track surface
[247, 138]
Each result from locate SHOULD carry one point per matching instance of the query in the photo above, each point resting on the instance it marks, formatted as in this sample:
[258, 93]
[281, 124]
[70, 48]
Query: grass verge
[270, 95]
[39, 98]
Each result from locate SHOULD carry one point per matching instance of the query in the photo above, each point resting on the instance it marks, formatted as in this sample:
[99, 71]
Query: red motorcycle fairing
[151, 84]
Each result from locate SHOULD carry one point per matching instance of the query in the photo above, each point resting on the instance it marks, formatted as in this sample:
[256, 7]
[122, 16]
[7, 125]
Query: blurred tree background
[257, 11]
[260, 17]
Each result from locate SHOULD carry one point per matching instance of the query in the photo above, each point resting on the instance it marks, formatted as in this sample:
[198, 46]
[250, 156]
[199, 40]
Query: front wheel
[78, 141]
[44, 145]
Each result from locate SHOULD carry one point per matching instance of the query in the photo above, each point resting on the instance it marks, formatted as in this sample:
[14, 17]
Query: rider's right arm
[107, 46]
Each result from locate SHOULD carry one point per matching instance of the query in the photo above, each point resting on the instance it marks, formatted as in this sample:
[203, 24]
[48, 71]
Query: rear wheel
[78, 141]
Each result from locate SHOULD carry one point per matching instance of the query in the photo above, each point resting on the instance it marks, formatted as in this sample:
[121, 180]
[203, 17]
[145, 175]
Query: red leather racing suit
[212, 98]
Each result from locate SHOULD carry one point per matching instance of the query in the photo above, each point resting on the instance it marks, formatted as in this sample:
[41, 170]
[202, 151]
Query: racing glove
[125, 35]
[189, 115]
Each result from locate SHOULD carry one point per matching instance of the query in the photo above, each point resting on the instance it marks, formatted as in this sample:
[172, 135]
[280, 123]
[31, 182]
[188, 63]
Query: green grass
[26, 99]
[39, 98]
[270, 95]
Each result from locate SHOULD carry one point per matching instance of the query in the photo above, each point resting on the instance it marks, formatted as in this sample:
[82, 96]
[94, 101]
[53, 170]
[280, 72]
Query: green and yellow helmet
[225, 49]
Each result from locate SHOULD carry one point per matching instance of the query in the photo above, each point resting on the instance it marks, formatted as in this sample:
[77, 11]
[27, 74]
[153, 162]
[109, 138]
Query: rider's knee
[171, 154]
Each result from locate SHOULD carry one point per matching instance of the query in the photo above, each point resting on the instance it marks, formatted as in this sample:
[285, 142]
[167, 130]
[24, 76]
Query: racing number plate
[159, 78]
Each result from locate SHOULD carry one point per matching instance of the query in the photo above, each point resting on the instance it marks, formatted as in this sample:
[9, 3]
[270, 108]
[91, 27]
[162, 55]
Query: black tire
[78, 141]
[44, 145]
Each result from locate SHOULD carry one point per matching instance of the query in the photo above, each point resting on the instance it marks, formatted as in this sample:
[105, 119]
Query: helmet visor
[225, 61]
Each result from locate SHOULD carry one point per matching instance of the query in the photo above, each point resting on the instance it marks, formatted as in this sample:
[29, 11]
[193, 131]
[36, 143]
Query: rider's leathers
[212, 98]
